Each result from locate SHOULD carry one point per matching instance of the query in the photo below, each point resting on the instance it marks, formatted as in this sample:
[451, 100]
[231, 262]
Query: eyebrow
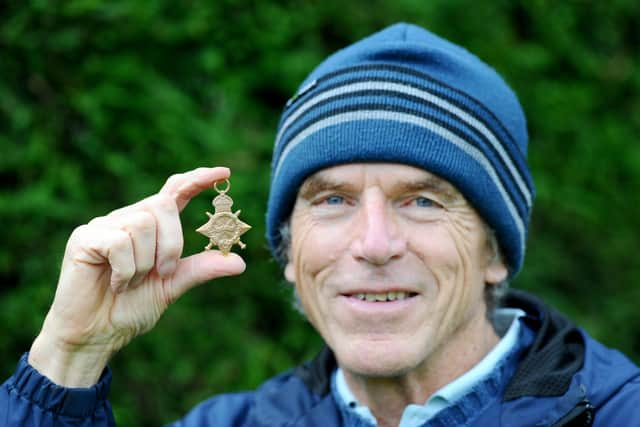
[432, 184]
[318, 183]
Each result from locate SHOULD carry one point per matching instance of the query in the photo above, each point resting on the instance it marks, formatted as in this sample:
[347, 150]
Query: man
[399, 206]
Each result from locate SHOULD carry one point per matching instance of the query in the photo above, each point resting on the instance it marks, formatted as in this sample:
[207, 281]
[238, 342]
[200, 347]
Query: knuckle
[99, 220]
[127, 271]
[201, 170]
[84, 235]
[174, 179]
[144, 221]
[173, 249]
[123, 272]
[79, 231]
[121, 241]
[143, 267]
[77, 238]
[144, 264]
[162, 202]
[170, 248]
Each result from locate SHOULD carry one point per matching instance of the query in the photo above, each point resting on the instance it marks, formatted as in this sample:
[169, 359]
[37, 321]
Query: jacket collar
[555, 356]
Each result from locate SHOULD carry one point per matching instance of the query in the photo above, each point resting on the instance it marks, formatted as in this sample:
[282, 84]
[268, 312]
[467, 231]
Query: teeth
[388, 296]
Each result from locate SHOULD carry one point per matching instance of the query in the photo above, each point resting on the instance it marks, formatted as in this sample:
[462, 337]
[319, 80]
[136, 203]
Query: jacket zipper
[580, 416]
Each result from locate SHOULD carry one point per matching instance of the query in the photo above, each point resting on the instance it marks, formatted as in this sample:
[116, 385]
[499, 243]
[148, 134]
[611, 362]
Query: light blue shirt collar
[416, 415]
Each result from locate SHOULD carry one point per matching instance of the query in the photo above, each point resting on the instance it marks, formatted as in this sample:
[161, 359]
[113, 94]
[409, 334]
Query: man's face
[390, 263]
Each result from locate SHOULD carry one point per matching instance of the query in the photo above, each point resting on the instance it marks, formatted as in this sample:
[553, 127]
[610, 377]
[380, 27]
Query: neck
[387, 397]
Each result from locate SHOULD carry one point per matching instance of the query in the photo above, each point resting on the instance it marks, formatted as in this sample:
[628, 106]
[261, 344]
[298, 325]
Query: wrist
[65, 365]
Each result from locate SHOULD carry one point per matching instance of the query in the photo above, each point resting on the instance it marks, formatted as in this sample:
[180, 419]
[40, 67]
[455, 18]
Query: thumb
[196, 269]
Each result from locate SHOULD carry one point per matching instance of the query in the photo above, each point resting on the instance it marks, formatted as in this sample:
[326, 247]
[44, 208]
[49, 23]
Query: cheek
[450, 250]
[467, 236]
[316, 248]
[438, 247]
[313, 259]
[467, 262]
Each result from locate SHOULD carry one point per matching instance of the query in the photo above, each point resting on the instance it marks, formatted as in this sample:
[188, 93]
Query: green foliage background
[100, 101]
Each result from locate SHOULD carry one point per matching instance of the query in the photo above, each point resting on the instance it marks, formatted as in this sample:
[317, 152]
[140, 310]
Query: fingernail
[244, 265]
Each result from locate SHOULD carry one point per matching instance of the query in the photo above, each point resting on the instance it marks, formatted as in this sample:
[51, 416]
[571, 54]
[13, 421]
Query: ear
[290, 272]
[495, 271]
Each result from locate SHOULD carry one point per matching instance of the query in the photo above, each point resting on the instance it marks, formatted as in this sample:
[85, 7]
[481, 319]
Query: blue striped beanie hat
[405, 95]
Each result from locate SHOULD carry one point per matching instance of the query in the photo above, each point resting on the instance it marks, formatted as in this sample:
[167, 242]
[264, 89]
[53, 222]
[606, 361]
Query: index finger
[185, 186]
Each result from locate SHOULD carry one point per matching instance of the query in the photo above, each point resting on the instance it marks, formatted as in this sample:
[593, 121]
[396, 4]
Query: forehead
[391, 177]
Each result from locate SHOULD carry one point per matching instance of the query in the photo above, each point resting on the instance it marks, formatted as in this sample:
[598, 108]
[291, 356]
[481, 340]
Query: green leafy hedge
[101, 101]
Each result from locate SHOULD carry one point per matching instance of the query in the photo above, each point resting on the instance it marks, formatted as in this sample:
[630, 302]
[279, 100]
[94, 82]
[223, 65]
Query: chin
[378, 359]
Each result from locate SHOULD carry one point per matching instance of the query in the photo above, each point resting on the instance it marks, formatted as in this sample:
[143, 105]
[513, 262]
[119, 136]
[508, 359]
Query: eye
[334, 200]
[422, 208]
[331, 206]
[423, 202]
[331, 200]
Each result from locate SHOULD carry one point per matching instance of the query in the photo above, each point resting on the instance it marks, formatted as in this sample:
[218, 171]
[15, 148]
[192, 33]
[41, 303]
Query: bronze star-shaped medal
[223, 228]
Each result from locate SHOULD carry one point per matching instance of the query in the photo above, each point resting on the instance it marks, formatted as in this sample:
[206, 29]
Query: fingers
[94, 244]
[148, 235]
[142, 232]
[165, 207]
[127, 242]
[155, 230]
[169, 237]
[183, 187]
[179, 189]
[121, 258]
[199, 268]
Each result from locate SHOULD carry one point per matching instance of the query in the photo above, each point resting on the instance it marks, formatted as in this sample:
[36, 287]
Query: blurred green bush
[101, 101]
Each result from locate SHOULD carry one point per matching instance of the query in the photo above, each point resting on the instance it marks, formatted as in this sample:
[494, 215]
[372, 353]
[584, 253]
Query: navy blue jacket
[564, 379]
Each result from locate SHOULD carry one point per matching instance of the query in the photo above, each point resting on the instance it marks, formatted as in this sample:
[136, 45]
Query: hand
[119, 274]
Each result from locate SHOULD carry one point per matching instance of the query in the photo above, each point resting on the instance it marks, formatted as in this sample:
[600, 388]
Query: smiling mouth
[384, 297]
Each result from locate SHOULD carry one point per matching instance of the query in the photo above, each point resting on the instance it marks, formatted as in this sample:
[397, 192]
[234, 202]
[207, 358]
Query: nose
[377, 238]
